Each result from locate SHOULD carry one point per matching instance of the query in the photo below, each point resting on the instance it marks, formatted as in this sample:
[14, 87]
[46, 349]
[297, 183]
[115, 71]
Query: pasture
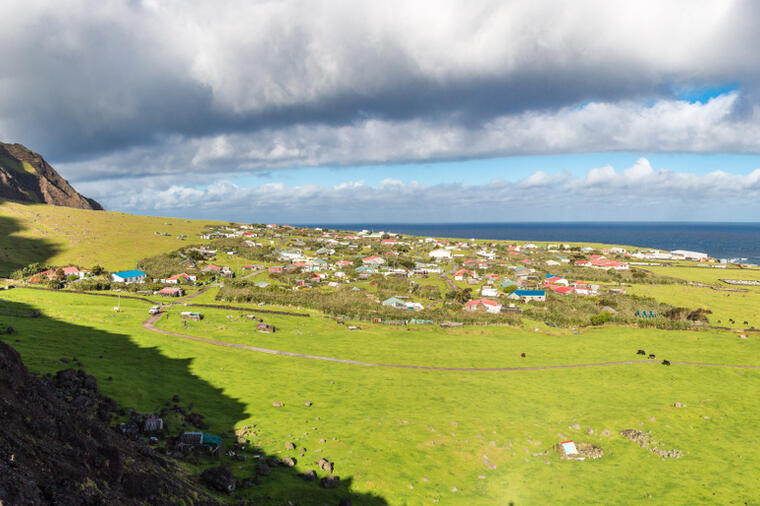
[63, 235]
[404, 436]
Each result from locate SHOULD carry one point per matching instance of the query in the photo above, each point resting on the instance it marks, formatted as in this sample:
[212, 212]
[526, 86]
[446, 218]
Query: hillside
[61, 235]
[58, 447]
[26, 176]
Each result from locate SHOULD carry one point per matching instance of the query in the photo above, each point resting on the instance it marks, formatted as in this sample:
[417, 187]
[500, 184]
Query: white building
[689, 255]
[440, 253]
[128, 277]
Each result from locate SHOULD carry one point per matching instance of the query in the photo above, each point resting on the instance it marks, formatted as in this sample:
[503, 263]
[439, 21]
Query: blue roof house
[128, 277]
[528, 295]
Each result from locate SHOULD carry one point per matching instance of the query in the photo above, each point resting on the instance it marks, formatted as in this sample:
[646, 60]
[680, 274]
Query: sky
[394, 111]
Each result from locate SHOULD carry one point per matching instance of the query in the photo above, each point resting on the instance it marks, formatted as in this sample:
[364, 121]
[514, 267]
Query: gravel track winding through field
[149, 324]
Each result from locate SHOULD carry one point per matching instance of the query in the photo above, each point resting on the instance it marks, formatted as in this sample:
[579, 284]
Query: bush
[29, 270]
[600, 319]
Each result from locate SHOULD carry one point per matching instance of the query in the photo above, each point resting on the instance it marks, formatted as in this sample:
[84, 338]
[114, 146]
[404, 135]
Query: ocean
[720, 240]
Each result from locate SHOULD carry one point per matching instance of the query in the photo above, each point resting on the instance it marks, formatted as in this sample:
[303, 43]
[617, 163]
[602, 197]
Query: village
[393, 279]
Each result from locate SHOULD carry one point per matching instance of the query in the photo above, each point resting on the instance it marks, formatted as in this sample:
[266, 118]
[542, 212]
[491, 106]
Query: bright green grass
[704, 274]
[395, 429]
[63, 235]
[431, 345]
[741, 306]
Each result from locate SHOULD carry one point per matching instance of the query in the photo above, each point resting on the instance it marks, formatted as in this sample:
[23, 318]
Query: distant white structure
[689, 255]
[440, 253]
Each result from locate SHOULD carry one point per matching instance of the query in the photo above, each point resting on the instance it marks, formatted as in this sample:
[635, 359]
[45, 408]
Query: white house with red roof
[486, 305]
[373, 260]
[555, 280]
[180, 278]
[461, 274]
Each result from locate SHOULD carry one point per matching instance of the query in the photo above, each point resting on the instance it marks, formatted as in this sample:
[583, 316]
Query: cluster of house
[560, 285]
[65, 272]
[601, 262]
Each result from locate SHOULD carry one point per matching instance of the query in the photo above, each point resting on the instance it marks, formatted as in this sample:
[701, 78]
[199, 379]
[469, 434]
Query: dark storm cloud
[146, 87]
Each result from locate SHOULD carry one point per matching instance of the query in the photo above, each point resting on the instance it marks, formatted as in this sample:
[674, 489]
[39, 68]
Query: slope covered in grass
[61, 235]
[419, 437]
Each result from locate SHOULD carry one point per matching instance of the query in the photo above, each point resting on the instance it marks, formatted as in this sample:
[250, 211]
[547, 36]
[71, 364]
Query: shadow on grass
[17, 252]
[146, 379]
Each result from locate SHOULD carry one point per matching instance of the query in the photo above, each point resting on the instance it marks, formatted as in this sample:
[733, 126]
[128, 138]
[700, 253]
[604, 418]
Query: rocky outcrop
[26, 177]
[57, 446]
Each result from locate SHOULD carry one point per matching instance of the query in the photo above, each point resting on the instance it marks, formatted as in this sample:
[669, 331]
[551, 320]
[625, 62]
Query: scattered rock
[263, 469]
[219, 478]
[309, 475]
[277, 404]
[289, 461]
[325, 465]
[644, 439]
[307, 404]
[346, 501]
[64, 360]
[585, 451]
[575, 426]
[175, 398]
[589, 431]
[679, 405]
[290, 446]
[330, 481]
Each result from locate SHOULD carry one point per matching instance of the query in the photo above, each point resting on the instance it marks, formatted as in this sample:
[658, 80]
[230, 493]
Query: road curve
[149, 325]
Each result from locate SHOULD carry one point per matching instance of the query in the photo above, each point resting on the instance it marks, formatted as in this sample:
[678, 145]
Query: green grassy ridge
[431, 429]
[62, 235]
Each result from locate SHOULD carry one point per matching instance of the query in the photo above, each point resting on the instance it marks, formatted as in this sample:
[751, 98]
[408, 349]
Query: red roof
[485, 302]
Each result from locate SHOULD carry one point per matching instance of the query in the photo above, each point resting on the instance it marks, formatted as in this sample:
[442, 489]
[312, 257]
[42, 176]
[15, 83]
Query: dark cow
[651, 356]
[666, 362]
[641, 352]
[522, 355]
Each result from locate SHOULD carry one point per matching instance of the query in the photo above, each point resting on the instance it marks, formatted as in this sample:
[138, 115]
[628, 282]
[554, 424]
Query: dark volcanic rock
[219, 478]
[57, 447]
[25, 176]
[331, 481]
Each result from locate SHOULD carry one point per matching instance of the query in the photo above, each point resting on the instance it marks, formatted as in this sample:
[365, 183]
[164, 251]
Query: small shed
[153, 424]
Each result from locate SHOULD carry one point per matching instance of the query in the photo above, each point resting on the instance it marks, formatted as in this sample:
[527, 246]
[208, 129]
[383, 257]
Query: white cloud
[638, 192]
[430, 78]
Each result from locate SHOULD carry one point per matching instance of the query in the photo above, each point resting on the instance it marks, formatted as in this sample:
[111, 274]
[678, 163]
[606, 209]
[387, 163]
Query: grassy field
[704, 274]
[62, 235]
[741, 306]
[402, 436]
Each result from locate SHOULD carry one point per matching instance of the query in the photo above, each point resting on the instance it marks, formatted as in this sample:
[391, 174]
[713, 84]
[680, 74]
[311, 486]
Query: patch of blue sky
[483, 171]
[704, 93]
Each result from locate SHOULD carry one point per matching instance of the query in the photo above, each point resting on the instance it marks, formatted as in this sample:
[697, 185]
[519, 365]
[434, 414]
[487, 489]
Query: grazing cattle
[651, 356]
[666, 362]
[641, 352]
[522, 355]
[746, 323]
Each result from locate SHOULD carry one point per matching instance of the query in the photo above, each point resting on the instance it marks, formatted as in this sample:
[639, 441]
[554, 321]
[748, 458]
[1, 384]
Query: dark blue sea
[720, 240]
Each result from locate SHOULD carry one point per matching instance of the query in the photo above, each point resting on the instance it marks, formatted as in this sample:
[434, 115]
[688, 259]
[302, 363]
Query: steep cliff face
[25, 176]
